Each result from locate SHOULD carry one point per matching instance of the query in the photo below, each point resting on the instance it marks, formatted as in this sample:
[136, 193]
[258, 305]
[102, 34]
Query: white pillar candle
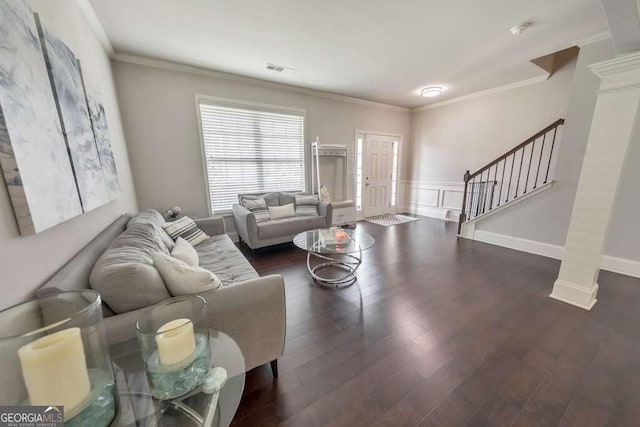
[54, 369]
[176, 341]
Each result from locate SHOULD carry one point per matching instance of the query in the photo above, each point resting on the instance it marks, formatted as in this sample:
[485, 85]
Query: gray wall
[26, 262]
[553, 208]
[160, 122]
[624, 231]
[450, 139]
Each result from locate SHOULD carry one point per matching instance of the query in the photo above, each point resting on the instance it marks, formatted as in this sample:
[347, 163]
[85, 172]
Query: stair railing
[514, 173]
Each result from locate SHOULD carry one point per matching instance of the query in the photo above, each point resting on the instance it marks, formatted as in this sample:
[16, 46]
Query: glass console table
[136, 407]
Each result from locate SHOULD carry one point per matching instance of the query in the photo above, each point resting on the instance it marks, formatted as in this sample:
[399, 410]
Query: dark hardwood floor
[441, 331]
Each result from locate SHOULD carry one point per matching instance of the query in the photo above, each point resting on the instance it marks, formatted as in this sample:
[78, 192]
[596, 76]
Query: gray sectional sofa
[117, 264]
[276, 231]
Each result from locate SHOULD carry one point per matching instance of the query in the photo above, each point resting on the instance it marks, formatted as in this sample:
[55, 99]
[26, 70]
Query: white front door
[378, 168]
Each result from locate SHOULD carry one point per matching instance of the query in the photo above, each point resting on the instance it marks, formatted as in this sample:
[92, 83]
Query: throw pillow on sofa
[184, 279]
[183, 251]
[154, 217]
[325, 196]
[185, 228]
[306, 205]
[286, 198]
[279, 212]
[124, 275]
[271, 199]
[258, 208]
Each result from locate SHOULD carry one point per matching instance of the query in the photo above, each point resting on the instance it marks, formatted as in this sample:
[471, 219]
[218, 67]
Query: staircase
[522, 171]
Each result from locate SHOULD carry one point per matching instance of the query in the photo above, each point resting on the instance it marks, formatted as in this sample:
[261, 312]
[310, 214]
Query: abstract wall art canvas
[68, 90]
[33, 153]
[103, 142]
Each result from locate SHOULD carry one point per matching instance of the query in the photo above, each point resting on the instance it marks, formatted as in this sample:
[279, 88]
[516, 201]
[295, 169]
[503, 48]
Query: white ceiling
[622, 16]
[379, 50]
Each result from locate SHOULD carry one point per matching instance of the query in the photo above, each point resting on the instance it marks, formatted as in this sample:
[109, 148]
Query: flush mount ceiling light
[519, 29]
[431, 91]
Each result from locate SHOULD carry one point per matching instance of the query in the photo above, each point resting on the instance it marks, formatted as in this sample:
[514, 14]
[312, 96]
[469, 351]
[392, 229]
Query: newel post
[463, 215]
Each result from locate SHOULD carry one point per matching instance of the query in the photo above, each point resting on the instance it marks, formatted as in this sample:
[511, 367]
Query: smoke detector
[519, 29]
[280, 69]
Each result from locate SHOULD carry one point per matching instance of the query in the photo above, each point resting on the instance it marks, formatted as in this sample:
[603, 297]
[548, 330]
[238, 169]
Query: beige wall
[26, 262]
[160, 122]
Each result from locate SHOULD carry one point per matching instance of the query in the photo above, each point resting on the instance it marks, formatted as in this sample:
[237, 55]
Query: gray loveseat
[117, 264]
[276, 231]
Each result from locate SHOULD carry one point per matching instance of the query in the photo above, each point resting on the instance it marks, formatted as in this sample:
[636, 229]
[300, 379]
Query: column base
[574, 294]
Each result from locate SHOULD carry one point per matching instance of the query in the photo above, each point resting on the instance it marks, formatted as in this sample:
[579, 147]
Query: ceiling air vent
[279, 69]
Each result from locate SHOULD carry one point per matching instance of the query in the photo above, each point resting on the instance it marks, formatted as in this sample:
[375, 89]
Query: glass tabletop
[334, 241]
[136, 407]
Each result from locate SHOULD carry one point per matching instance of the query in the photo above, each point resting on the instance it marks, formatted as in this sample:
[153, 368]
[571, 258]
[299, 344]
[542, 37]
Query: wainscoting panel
[452, 199]
[425, 196]
[441, 200]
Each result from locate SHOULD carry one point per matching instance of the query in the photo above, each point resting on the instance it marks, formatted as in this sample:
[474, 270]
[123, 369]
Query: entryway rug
[391, 219]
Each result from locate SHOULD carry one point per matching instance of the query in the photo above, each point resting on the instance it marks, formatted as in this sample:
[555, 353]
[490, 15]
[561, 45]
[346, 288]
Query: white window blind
[249, 151]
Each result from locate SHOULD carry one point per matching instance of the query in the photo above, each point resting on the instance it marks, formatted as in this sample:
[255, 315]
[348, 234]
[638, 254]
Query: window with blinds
[250, 150]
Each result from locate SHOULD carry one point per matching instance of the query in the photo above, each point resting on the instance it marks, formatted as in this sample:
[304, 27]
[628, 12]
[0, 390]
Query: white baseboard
[621, 265]
[433, 212]
[524, 245]
[609, 263]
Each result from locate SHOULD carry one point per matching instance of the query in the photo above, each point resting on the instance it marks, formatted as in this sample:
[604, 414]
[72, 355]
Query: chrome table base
[349, 263]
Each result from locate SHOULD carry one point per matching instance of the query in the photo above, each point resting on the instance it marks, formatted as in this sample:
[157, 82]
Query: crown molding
[621, 73]
[92, 19]
[482, 93]
[593, 38]
[621, 64]
[207, 72]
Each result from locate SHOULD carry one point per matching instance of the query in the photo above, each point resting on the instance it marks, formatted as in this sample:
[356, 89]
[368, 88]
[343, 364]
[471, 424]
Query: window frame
[245, 105]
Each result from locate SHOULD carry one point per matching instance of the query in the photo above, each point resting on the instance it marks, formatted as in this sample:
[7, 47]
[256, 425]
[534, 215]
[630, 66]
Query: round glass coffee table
[335, 248]
[136, 406]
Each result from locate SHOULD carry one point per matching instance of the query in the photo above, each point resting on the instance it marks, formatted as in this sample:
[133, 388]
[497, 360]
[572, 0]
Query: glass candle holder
[53, 352]
[174, 342]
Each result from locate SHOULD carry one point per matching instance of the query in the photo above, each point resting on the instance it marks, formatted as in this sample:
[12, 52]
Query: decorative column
[613, 129]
